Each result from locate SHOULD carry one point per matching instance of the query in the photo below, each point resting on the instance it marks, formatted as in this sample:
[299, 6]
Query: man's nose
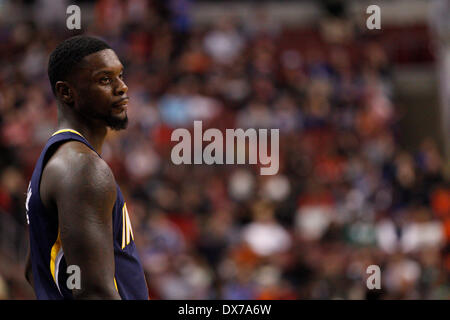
[121, 88]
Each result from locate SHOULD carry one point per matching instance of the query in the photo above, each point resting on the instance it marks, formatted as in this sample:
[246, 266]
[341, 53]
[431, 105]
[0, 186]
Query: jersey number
[127, 231]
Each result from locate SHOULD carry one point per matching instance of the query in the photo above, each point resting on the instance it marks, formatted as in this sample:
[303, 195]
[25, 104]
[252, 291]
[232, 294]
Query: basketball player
[76, 212]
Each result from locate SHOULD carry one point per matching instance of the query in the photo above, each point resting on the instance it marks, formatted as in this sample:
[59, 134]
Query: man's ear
[64, 92]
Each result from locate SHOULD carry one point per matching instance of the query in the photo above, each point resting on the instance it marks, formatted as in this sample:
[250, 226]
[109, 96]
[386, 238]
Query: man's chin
[117, 123]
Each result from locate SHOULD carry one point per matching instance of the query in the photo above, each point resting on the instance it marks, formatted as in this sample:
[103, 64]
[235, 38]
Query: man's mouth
[121, 102]
[121, 105]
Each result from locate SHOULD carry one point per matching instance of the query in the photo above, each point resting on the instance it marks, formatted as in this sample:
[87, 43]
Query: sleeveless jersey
[49, 267]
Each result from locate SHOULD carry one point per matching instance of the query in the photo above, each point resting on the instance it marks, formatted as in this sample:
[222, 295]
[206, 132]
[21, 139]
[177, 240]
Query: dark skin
[76, 183]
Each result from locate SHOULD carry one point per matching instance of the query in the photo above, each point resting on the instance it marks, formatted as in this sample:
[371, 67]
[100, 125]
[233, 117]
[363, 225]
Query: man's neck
[94, 135]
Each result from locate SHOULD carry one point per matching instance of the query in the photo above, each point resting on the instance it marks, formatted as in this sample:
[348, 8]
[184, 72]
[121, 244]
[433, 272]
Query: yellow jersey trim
[53, 253]
[68, 130]
[127, 230]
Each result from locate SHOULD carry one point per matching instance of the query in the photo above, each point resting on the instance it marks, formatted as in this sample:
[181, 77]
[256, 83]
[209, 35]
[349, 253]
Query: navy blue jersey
[47, 257]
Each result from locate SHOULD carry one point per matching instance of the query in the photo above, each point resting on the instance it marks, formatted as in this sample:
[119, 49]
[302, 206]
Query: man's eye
[105, 80]
[121, 76]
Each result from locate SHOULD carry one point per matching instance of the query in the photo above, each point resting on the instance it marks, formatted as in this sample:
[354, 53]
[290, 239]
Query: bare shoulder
[79, 188]
[76, 171]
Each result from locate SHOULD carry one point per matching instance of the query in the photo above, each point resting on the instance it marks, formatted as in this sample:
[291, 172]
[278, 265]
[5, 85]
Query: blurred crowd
[347, 194]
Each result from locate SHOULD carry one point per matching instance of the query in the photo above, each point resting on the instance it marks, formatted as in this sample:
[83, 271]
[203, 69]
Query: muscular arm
[82, 189]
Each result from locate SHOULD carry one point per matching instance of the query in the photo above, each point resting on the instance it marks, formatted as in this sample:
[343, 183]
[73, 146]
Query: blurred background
[364, 119]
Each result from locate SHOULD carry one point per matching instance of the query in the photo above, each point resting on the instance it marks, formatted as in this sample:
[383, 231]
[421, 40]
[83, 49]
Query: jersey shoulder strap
[69, 134]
